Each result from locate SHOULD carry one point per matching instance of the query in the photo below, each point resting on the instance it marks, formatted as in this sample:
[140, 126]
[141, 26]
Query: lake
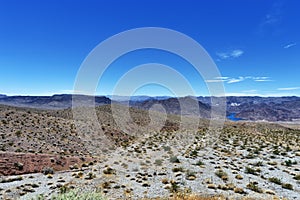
[232, 117]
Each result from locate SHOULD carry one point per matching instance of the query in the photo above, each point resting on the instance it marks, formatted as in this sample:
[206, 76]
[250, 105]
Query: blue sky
[254, 43]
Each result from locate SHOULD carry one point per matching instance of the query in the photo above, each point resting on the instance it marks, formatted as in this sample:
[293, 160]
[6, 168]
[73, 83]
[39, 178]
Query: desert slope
[257, 160]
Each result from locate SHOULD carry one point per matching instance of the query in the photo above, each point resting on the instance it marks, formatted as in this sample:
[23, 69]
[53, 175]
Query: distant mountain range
[135, 98]
[248, 108]
[265, 108]
[61, 101]
[172, 106]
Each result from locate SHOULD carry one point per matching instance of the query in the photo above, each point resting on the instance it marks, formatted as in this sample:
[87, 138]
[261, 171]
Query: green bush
[287, 186]
[220, 173]
[249, 170]
[297, 177]
[174, 159]
[76, 195]
[48, 170]
[254, 187]
[275, 180]
[158, 162]
[199, 163]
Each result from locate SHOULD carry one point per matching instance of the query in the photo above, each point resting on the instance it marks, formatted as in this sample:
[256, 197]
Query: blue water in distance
[232, 117]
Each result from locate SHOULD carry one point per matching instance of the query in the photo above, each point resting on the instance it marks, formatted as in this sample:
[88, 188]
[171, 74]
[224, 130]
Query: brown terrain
[25, 163]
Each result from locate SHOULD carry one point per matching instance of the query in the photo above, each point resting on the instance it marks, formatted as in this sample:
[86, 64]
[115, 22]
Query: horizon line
[140, 95]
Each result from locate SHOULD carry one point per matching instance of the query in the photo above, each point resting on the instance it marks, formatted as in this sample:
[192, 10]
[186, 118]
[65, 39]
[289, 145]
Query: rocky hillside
[174, 106]
[144, 159]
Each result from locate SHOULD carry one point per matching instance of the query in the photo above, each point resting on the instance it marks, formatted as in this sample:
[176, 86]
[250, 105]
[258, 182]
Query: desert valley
[43, 155]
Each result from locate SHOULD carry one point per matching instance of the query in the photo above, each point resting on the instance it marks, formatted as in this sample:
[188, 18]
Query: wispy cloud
[272, 19]
[289, 88]
[231, 80]
[218, 79]
[230, 54]
[214, 81]
[261, 79]
[222, 77]
[236, 80]
[237, 53]
[289, 45]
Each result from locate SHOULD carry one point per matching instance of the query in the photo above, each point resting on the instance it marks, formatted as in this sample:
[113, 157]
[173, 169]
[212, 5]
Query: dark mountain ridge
[252, 108]
[58, 101]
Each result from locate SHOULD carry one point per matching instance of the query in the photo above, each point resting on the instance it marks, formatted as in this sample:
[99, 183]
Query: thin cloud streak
[231, 80]
[289, 45]
[235, 80]
[288, 88]
[230, 54]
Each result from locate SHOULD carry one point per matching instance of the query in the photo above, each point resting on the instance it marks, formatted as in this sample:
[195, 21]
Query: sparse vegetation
[275, 180]
[297, 177]
[48, 170]
[18, 133]
[159, 157]
[200, 163]
[222, 174]
[254, 187]
[158, 162]
[178, 169]
[79, 195]
[174, 159]
[287, 186]
[249, 170]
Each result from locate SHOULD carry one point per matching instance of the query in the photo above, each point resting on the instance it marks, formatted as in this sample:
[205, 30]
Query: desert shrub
[297, 177]
[8, 180]
[199, 163]
[167, 148]
[190, 173]
[287, 186]
[158, 162]
[289, 163]
[194, 153]
[64, 189]
[18, 133]
[48, 170]
[174, 159]
[276, 152]
[275, 180]
[249, 170]
[254, 187]
[178, 169]
[220, 173]
[19, 165]
[90, 176]
[174, 187]
[250, 156]
[258, 164]
[109, 170]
